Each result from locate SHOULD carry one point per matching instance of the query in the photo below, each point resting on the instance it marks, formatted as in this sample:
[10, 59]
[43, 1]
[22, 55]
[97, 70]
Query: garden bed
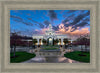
[50, 47]
[20, 57]
[78, 56]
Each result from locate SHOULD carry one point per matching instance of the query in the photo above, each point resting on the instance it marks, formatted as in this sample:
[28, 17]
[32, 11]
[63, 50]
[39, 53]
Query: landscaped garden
[50, 47]
[79, 56]
[20, 57]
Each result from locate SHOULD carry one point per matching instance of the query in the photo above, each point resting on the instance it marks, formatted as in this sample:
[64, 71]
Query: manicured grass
[20, 57]
[50, 47]
[75, 56]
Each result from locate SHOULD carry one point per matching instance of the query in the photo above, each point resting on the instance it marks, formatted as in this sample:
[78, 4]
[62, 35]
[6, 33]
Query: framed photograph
[49, 40]
[49, 36]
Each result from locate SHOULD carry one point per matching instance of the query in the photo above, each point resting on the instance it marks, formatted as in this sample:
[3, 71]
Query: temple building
[49, 35]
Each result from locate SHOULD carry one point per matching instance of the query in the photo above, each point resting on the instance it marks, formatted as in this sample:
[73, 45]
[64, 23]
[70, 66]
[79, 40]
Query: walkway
[50, 60]
[57, 59]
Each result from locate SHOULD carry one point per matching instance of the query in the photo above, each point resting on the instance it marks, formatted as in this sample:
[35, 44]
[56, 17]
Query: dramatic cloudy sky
[73, 23]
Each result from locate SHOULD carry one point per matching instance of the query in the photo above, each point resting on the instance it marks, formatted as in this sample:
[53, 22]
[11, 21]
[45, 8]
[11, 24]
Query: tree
[44, 41]
[56, 40]
[65, 41]
[47, 41]
[83, 41]
[79, 42]
[34, 41]
[74, 43]
[14, 41]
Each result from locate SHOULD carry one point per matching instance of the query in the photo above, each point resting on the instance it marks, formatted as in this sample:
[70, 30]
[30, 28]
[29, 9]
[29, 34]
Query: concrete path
[57, 59]
[50, 60]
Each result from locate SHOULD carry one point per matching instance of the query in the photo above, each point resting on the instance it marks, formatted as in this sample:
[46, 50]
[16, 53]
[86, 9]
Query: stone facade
[49, 34]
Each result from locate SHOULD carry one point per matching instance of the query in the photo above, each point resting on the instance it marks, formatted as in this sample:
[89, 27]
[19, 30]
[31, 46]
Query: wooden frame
[6, 6]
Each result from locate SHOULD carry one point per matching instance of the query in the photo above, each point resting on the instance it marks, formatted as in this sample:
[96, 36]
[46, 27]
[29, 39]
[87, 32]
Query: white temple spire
[50, 27]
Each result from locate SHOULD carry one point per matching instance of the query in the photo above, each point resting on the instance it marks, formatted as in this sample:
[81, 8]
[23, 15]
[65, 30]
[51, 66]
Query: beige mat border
[6, 6]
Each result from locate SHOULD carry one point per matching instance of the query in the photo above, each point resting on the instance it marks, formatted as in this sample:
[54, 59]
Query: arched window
[50, 33]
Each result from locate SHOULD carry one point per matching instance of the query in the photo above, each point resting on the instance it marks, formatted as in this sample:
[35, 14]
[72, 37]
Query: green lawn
[50, 47]
[75, 56]
[21, 56]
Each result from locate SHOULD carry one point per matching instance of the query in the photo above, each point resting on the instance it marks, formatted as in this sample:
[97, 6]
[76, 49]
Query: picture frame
[6, 6]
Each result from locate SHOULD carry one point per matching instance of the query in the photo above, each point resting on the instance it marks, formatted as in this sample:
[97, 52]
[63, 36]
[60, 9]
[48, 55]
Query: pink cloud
[74, 34]
[42, 31]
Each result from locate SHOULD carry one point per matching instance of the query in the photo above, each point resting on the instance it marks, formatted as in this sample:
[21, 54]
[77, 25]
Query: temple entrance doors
[50, 41]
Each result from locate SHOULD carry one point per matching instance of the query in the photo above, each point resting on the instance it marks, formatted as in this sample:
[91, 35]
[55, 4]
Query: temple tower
[50, 27]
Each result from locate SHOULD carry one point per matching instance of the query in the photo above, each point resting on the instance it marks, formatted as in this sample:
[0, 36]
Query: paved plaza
[51, 59]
